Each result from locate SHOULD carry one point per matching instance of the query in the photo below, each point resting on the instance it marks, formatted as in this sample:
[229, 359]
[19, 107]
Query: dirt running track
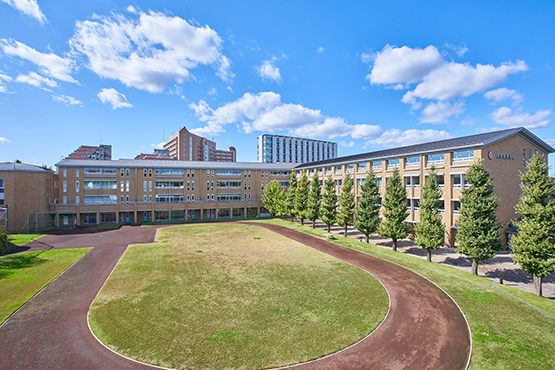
[424, 328]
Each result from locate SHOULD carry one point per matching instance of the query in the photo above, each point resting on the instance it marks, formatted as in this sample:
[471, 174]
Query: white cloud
[113, 97]
[503, 94]
[550, 142]
[37, 80]
[266, 112]
[159, 145]
[149, 52]
[366, 131]
[402, 65]
[131, 9]
[268, 70]
[28, 7]
[320, 49]
[507, 117]
[50, 64]
[212, 91]
[395, 137]
[4, 78]
[455, 80]
[67, 100]
[459, 50]
[439, 112]
[350, 144]
[4, 140]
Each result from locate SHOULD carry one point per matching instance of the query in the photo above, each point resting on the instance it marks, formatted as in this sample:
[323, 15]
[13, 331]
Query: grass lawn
[24, 275]
[506, 333]
[233, 296]
[21, 239]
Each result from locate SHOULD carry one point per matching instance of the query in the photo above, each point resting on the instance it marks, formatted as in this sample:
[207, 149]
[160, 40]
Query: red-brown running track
[423, 330]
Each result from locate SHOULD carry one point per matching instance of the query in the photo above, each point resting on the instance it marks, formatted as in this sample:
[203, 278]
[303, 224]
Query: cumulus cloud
[320, 49]
[50, 64]
[503, 94]
[67, 100]
[459, 50]
[266, 112]
[213, 91]
[403, 65]
[507, 117]
[269, 71]
[27, 7]
[4, 140]
[150, 51]
[440, 112]
[345, 144]
[159, 145]
[37, 80]
[114, 98]
[395, 137]
[4, 78]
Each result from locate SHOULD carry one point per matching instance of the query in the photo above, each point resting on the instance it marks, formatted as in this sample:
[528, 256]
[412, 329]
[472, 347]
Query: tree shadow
[11, 263]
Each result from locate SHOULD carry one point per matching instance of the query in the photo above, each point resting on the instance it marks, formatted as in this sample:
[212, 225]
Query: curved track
[424, 328]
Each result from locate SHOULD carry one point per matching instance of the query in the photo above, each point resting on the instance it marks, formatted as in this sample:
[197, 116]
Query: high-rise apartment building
[190, 147]
[101, 152]
[287, 149]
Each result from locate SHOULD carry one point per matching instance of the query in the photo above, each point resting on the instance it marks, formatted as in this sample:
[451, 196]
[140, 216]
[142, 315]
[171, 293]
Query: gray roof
[465, 142]
[22, 167]
[202, 165]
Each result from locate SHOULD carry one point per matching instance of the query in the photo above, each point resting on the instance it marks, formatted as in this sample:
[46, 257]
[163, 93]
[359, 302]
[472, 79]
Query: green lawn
[24, 275]
[21, 239]
[233, 296]
[506, 333]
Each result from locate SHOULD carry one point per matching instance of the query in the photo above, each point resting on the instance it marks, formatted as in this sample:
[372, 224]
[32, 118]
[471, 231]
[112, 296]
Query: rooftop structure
[101, 152]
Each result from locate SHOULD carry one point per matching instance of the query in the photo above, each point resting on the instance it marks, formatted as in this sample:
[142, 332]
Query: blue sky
[368, 75]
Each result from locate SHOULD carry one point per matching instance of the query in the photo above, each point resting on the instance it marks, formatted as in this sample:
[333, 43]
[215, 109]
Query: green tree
[314, 199]
[534, 245]
[290, 198]
[3, 239]
[329, 203]
[301, 198]
[274, 199]
[395, 210]
[367, 219]
[478, 230]
[346, 204]
[430, 232]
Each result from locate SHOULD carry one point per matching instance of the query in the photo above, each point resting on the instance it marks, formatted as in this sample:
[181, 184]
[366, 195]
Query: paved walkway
[424, 328]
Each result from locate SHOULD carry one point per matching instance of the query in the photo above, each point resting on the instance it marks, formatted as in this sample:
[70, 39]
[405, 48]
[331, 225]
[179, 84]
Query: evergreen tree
[290, 198]
[329, 203]
[301, 198]
[367, 219]
[274, 199]
[346, 204]
[314, 198]
[478, 230]
[534, 245]
[430, 232]
[395, 210]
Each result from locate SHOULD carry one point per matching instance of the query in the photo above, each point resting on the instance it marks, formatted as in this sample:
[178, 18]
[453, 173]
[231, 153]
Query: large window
[435, 158]
[228, 197]
[94, 185]
[412, 161]
[227, 184]
[458, 180]
[100, 199]
[412, 181]
[169, 184]
[393, 162]
[228, 172]
[101, 171]
[169, 172]
[376, 164]
[169, 198]
[465, 155]
[361, 167]
[349, 168]
[379, 182]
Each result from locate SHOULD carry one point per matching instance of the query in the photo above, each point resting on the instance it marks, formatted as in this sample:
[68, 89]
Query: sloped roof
[21, 167]
[464, 142]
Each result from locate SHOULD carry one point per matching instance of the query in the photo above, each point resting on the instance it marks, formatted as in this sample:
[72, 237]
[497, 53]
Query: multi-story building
[503, 153]
[101, 152]
[190, 147]
[138, 191]
[287, 149]
[25, 189]
[159, 154]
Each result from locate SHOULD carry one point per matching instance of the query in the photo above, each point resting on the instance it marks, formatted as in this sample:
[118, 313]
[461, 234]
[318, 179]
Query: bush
[3, 239]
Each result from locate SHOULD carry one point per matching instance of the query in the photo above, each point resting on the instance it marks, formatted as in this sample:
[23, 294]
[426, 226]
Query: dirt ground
[501, 263]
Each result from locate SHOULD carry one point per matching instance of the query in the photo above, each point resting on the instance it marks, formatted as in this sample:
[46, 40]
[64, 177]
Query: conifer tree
[430, 232]
[367, 219]
[314, 199]
[274, 199]
[394, 210]
[534, 245]
[301, 198]
[478, 230]
[290, 198]
[329, 203]
[346, 204]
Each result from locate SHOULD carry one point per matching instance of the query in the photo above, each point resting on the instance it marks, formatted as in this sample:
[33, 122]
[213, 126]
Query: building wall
[286, 149]
[25, 193]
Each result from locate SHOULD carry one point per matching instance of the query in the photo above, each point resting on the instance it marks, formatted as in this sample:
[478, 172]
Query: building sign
[504, 156]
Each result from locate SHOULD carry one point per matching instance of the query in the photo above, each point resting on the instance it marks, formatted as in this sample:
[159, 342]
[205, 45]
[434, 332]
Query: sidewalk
[512, 274]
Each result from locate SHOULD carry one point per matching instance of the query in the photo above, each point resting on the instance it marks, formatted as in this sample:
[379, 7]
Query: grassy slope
[233, 296]
[24, 275]
[506, 333]
[21, 239]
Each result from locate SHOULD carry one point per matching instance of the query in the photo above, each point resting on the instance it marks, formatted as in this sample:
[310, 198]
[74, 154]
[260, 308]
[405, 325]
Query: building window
[212, 185]
[77, 199]
[379, 182]
[207, 185]
[188, 186]
[77, 172]
[150, 172]
[338, 169]
[65, 172]
[121, 186]
[144, 172]
[412, 161]
[440, 180]
[121, 172]
[65, 187]
[192, 185]
[465, 155]
[455, 206]
[127, 172]
[192, 173]
[77, 187]
[144, 198]
[127, 198]
[434, 158]
[376, 164]
[393, 162]
[65, 199]
[150, 186]
[361, 167]
[150, 198]
[192, 196]
[121, 199]
[127, 186]
[144, 186]
[458, 180]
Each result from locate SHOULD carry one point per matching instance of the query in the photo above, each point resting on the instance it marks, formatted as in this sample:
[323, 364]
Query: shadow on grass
[8, 264]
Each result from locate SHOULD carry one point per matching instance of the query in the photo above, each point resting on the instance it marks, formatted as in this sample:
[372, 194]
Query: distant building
[190, 147]
[159, 154]
[101, 152]
[287, 149]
